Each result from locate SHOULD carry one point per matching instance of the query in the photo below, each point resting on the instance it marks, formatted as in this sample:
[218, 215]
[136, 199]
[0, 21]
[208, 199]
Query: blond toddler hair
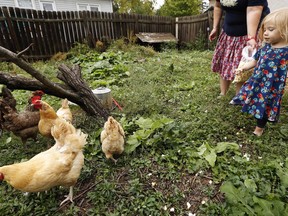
[280, 18]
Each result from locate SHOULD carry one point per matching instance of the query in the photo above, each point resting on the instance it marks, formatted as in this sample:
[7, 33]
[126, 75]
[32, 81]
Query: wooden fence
[188, 28]
[52, 32]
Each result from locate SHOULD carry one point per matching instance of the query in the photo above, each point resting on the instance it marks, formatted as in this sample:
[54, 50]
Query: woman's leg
[224, 86]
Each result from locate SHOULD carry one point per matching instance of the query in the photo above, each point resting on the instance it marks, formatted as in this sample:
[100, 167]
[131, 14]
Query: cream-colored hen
[64, 111]
[112, 139]
[58, 166]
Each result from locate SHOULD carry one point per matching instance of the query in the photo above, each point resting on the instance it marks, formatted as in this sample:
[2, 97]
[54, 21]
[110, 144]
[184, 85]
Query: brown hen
[23, 124]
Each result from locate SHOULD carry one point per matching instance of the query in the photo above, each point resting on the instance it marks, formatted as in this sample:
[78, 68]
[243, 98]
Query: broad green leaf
[230, 192]
[233, 196]
[144, 123]
[143, 134]
[202, 149]
[167, 120]
[156, 125]
[250, 184]
[222, 146]
[283, 175]
[131, 144]
[211, 158]
[269, 208]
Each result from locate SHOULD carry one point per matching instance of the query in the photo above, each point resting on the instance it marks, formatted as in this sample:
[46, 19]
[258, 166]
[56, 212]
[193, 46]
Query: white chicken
[64, 111]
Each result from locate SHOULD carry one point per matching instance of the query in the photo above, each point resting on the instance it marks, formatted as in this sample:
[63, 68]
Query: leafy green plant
[182, 143]
[147, 127]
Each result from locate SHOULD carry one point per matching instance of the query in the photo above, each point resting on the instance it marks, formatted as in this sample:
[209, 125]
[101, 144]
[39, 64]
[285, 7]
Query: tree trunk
[75, 89]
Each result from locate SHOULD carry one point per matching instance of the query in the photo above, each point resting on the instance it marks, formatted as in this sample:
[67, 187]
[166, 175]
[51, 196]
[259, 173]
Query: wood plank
[116, 28]
[94, 25]
[6, 36]
[18, 28]
[65, 30]
[101, 25]
[77, 14]
[82, 29]
[60, 32]
[37, 32]
[28, 34]
[43, 33]
[71, 27]
[91, 28]
[58, 40]
[149, 37]
[13, 28]
[107, 26]
[105, 33]
[49, 33]
[36, 48]
[110, 26]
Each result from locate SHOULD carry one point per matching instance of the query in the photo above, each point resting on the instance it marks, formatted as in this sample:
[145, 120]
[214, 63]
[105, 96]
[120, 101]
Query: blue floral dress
[261, 94]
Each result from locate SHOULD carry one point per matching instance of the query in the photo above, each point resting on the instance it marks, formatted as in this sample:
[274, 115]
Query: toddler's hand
[238, 70]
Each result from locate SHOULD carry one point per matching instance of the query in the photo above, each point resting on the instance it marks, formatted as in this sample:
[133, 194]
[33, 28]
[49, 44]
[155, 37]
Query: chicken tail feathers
[65, 133]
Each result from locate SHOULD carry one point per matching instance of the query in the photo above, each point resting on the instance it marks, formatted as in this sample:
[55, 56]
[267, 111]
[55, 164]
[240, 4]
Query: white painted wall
[65, 5]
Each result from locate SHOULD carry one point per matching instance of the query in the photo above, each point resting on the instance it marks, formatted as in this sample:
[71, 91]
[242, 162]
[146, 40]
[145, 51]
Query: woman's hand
[252, 43]
[213, 34]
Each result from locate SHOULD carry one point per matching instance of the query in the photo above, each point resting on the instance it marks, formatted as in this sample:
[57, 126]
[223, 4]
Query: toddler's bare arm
[247, 66]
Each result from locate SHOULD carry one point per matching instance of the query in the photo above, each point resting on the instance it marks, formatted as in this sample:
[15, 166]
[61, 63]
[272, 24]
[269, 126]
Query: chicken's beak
[37, 104]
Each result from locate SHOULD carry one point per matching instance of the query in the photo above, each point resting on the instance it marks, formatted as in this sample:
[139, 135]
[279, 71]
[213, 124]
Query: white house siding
[7, 3]
[67, 5]
[105, 6]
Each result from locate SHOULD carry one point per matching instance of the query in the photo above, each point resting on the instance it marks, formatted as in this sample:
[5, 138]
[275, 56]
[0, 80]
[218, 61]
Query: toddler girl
[262, 93]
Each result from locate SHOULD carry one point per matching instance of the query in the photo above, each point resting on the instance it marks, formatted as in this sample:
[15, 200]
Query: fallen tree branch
[72, 77]
[75, 88]
[20, 82]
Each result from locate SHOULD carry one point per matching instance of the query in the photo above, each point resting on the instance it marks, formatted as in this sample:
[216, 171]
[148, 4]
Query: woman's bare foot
[258, 131]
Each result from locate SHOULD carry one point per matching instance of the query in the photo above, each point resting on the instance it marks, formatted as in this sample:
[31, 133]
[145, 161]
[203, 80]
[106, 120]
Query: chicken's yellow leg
[69, 197]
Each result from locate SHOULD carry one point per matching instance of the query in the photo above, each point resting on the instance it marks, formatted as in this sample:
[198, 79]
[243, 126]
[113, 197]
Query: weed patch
[186, 151]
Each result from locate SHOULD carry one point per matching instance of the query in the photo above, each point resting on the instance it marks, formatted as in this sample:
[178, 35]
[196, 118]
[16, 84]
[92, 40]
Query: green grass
[182, 144]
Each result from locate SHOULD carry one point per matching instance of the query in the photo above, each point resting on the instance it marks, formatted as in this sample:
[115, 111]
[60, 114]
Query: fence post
[176, 28]
[136, 24]
[88, 35]
[11, 29]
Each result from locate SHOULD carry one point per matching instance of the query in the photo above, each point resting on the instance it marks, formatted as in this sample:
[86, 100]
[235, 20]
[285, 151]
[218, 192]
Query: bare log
[20, 82]
[75, 88]
[29, 69]
[14, 81]
[72, 77]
